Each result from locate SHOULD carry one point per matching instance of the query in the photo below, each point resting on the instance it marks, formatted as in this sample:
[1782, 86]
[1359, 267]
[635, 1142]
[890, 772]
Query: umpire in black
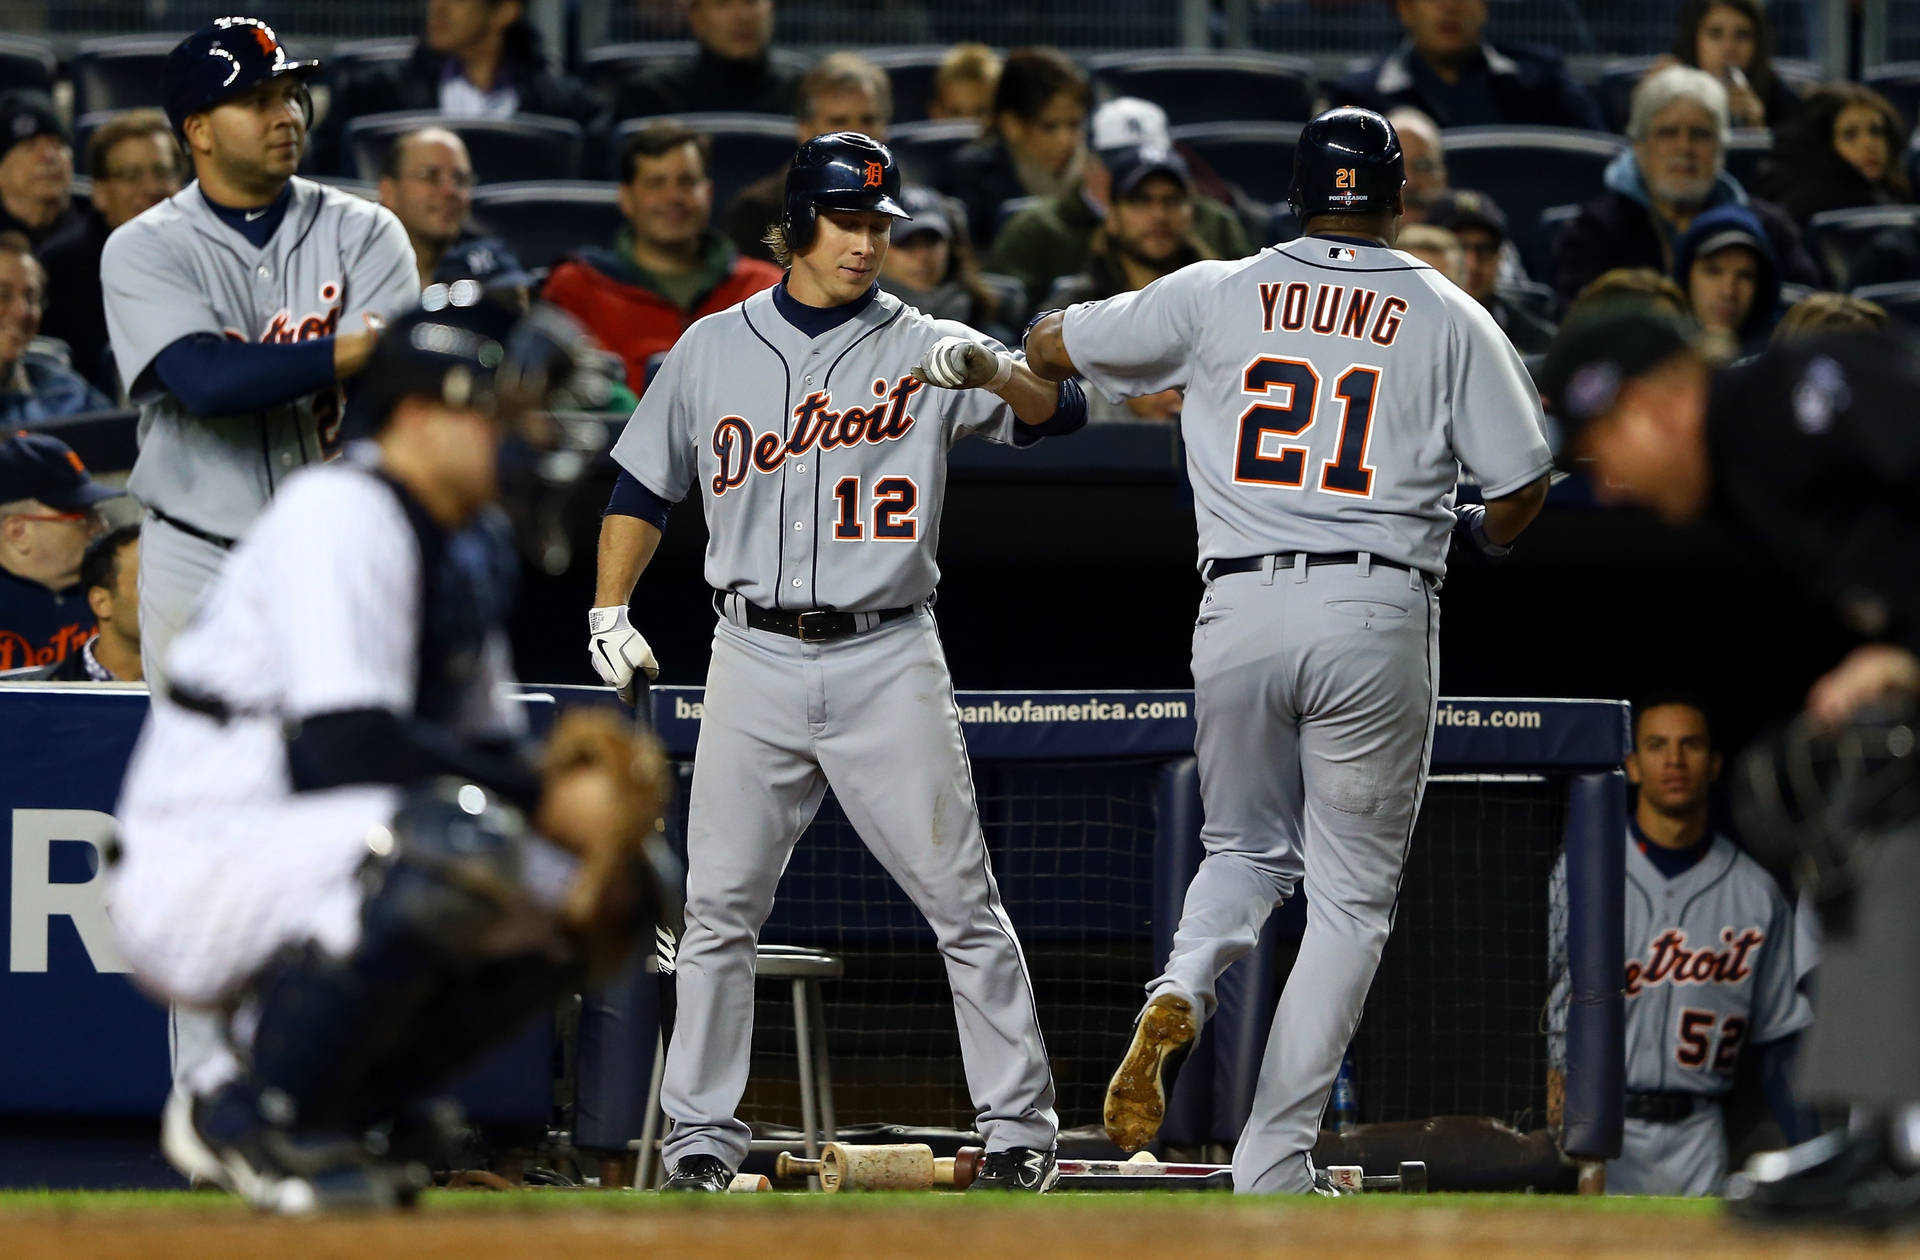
[1810, 453]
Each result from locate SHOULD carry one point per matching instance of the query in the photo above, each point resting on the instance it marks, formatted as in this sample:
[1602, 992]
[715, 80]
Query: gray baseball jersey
[177, 269]
[821, 463]
[1333, 388]
[1334, 391]
[1712, 968]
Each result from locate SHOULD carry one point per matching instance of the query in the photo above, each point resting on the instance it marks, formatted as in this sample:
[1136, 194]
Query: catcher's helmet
[1347, 162]
[222, 59]
[842, 170]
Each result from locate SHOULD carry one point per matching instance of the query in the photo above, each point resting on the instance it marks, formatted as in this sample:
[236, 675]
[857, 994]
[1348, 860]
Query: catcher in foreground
[336, 833]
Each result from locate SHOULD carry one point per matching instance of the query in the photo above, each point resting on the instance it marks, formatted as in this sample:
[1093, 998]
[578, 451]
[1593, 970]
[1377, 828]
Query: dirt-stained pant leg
[1327, 679]
[756, 786]
[892, 749]
[1253, 816]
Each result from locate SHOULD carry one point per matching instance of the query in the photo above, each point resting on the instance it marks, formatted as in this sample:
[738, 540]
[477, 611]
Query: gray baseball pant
[1315, 692]
[872, 714]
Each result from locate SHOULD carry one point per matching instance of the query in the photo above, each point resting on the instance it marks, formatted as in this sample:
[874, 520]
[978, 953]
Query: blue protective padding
[1176, 856]
[619, 1025]
[1248, 992]
[1505, 734]
[1596, 964]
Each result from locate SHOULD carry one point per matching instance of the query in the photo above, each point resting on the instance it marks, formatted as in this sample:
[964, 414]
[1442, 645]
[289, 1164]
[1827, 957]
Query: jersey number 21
[1290, 393]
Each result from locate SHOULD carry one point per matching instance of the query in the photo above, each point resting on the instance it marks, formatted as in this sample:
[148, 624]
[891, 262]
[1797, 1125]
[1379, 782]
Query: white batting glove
[616, 648]
[960, 363]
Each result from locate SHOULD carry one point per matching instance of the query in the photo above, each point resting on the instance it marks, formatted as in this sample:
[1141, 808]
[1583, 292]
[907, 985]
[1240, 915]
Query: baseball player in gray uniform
[235, 309]
[1335, 388]
[1713, 968]
[813, 420]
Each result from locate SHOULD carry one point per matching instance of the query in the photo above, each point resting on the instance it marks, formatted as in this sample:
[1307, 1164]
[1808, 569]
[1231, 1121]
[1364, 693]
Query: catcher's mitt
[604, 786]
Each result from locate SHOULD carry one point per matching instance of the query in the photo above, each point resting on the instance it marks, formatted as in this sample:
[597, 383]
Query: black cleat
[1017, 1168]
[1840, 1178]
[222, 1139]
[1137, 1095]
[699, 1174]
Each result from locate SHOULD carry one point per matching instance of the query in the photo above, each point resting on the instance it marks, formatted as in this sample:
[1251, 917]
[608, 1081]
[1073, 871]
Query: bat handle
[786, 1166]
[961, 1168]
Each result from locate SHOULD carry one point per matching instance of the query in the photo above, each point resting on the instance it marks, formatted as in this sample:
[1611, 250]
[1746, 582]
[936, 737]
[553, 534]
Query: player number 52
[1290, 394]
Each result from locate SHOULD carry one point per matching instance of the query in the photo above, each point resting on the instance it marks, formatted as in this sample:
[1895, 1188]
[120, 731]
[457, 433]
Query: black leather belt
[813, 626]
[1284, 560]
[194, 531]
[1669, 1107]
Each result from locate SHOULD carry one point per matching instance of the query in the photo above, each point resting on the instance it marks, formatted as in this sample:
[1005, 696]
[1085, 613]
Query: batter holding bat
[814, 420]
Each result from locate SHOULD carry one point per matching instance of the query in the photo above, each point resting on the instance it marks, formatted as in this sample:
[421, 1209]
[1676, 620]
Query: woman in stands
[1730, 39]
[1035, 145]
[1842, 150]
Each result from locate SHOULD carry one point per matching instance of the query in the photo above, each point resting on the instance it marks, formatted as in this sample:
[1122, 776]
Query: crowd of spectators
[1065, 192]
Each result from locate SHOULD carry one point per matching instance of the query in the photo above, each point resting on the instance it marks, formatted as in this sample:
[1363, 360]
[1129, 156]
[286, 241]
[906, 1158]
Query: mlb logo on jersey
[1341, 253]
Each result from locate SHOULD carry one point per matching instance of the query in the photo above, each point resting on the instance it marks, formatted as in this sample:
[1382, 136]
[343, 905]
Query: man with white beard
[1673, 170]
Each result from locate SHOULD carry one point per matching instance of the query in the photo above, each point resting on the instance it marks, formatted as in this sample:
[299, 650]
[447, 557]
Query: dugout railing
[1090, 803]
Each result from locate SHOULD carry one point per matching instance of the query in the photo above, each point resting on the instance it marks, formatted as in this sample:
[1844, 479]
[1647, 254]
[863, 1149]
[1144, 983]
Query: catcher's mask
[535, 372]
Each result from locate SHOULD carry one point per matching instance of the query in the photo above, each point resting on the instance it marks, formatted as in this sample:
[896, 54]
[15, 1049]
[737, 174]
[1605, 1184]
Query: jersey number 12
[1290, 390]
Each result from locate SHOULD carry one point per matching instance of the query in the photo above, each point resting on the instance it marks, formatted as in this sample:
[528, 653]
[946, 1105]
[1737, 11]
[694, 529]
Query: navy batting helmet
[1347, 162]
[842, 170]
[222, 59]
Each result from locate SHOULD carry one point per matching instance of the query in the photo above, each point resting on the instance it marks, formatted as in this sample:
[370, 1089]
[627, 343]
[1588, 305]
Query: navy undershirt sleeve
[1069, 414]
[1797, 1122]
[216, 376]
[630, 498]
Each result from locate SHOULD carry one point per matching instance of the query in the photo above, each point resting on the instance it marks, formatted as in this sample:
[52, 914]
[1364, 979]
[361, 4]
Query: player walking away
[1808, 453]
[1335, 387]
[235, 309]
[814, 420]
[335, 838]
[1712, 967]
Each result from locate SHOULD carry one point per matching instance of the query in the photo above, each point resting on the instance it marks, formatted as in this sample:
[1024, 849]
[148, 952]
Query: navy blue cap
[37, 466]
[487, 259]
[25, 115]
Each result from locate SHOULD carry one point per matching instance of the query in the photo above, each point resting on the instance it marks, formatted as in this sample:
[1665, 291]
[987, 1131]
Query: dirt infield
[559, 1226]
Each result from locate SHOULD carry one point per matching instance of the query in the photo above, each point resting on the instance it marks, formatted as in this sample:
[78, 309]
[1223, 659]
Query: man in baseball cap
[36, 167]
[1479, 224]
[49, 509]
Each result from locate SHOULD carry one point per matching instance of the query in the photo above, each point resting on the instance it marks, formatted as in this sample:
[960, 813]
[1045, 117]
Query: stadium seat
[26, 64]
[1899, 82]
[526, 146]
[1902, 299]
[544, 222]
[1527, 169]
[1613, 89]
[353, 55]
[1536, 247]
[1746, 148]
[911, 70]
[1867, 244]
[1255, 156]
[925, 147]
[1196, 87]
[602, 69]
[120, 72]
[746, 147]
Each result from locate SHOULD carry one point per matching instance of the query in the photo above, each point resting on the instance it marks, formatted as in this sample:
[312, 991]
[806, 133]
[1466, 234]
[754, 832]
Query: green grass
[75, 1201]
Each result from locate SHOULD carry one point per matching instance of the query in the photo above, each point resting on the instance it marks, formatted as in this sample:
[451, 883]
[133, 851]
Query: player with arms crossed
[235, 308]
[1335, 388]
[814, 420]
[336, 839]
[1712, 967]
